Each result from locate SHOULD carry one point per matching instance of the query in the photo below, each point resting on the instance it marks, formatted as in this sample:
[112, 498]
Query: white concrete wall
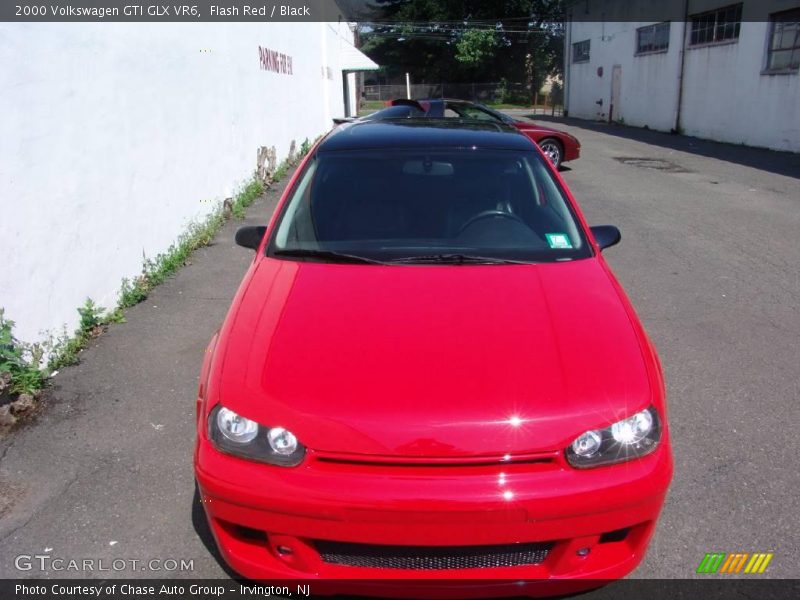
[115, 136]
[649, 82]
[726, 97]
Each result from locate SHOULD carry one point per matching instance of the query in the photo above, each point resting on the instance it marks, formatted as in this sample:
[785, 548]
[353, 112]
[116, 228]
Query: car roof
[424, 132]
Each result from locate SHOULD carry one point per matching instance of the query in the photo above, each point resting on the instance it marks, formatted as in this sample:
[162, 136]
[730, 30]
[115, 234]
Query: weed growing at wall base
[24, 368]
[246, 197]
[20, 364]
[157, 270]
[93, 321]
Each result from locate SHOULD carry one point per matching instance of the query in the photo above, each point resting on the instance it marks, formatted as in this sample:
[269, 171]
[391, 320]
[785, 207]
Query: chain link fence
[485, 93]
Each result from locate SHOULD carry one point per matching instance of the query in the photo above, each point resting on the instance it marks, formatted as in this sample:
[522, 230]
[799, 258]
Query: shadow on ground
[780, 163]
[203, 531]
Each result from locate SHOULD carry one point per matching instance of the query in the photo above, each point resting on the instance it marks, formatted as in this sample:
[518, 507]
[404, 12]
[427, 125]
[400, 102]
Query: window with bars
[580, 51]
[652, 38]
[784, 41]
[720, 25]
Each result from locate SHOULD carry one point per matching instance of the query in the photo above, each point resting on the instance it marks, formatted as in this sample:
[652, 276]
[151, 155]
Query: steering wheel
[486, 214]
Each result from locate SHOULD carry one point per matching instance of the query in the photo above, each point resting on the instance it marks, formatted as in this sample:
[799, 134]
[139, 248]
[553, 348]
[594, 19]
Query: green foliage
[467, 40]
[476, 47]
[19, 363]
[512, 95]
[25, 363]
[132, 291]
[156, 270]
[93, 319]
[246, 197]
[91, 316]
[557, 93]
[280, 171]
[66, 349]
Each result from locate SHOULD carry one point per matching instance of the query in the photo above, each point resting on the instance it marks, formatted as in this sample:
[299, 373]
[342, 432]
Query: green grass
[509, 105]
[372, 105]
[246, 197]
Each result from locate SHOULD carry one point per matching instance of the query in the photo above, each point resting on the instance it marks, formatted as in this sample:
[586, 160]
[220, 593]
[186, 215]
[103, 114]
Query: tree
[476, 47]
[467, 40]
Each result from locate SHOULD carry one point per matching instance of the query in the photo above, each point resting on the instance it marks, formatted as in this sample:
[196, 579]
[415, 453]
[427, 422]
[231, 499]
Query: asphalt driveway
[710, 258]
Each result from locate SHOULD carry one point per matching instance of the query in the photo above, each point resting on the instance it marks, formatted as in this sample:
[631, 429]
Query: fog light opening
[284, 550]
[617, 535]
[249, 534]
[583, 551]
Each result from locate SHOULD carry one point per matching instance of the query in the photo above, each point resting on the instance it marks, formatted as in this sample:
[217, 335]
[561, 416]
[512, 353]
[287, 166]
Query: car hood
[526, 126]
[433, 361]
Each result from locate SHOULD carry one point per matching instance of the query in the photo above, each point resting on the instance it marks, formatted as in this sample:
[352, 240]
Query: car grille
[434, 558]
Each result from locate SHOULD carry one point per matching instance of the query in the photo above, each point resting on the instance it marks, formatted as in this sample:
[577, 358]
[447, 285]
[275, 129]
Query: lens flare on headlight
[633, 429]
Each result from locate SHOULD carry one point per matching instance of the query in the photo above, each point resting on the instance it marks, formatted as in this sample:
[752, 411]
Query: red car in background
[430, 375]
[558, 146]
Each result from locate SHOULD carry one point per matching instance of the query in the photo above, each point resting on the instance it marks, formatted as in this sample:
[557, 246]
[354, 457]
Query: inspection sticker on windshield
[558, 240]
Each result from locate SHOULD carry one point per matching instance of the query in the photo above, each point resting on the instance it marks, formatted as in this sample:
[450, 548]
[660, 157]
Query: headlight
[234, 434]
[629, 438]
[282, 441]
[236, 428]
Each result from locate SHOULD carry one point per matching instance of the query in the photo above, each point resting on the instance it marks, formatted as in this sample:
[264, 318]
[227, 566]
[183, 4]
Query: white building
[715, 69]
[115, 136]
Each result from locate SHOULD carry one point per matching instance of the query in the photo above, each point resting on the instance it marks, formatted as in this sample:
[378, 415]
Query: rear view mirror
[606, 235]
[250, 237]
[427, 167]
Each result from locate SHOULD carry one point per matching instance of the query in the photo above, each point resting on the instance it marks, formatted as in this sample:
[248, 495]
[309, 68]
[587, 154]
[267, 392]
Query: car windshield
[401, 111]
[408, 206]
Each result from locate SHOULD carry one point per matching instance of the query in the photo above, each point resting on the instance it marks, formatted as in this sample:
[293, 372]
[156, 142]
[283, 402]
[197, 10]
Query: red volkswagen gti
[430, 375]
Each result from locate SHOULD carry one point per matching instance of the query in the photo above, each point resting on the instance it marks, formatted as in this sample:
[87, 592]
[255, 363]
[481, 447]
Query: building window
[580, 51]
[653, 38]
[716, 26]
[784, 41]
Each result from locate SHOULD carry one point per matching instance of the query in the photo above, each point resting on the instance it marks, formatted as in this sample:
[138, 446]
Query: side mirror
[250, 237]
[606, 235]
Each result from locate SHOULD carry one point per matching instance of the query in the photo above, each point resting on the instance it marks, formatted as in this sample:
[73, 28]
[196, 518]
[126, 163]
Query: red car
[558, 146]
[430, 374]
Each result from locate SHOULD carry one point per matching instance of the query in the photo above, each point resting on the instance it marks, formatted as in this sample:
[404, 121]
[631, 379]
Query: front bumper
[270, 522]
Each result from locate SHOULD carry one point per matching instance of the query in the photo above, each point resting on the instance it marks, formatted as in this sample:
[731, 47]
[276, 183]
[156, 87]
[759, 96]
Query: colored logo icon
[742, 562]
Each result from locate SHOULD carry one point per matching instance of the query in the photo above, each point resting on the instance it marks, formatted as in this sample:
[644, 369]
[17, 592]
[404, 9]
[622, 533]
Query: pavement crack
[7, 448]
[56, 496]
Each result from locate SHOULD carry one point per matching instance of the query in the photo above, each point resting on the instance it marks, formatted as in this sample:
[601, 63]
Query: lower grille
[434, 558]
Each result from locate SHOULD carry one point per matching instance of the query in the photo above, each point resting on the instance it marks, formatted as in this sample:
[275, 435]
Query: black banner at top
[154, 11]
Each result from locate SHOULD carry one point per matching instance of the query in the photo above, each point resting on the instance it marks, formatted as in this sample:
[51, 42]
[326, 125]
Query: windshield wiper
[326, 255]
[458, 259]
